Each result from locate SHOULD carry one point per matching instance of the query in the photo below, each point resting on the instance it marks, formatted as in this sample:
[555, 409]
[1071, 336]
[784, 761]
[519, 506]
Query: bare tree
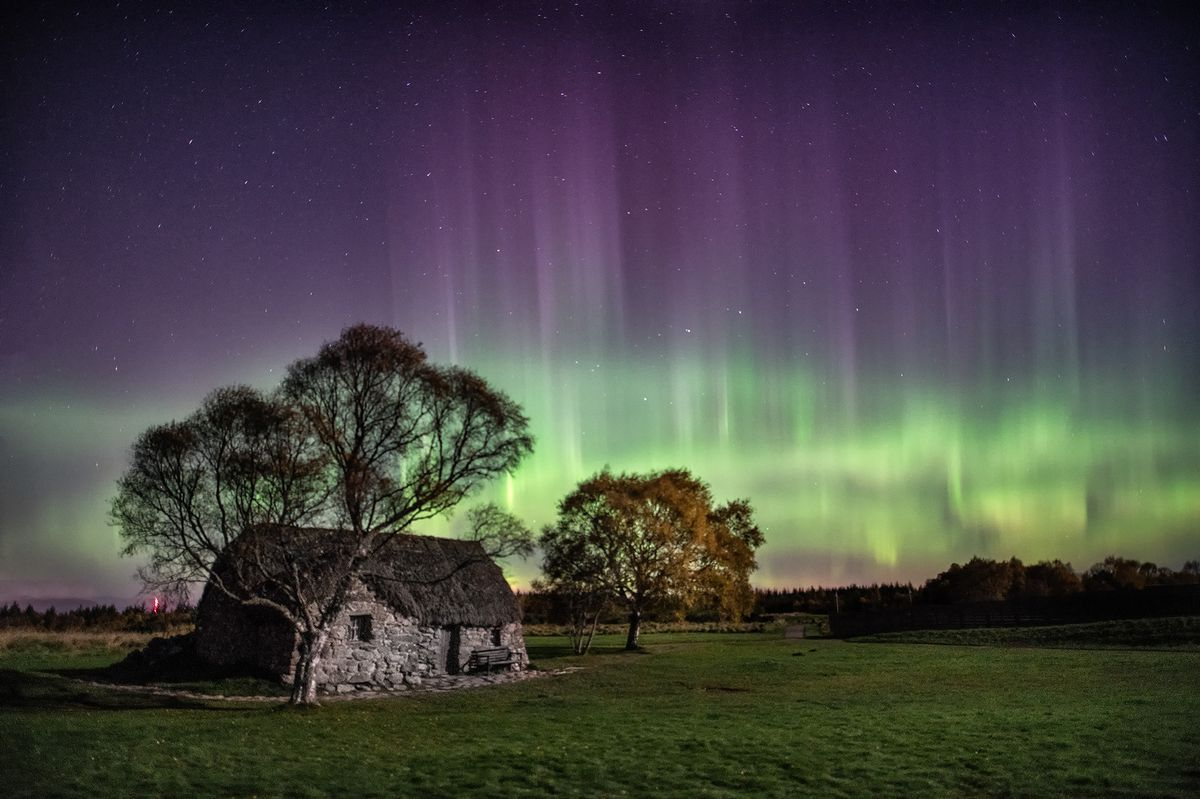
[371, 439]
[240, 461]
[500, 533]
[405, 440]
[574, 575]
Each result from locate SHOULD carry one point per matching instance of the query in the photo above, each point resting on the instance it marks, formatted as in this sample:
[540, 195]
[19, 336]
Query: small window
[495, 636]
[360, 628]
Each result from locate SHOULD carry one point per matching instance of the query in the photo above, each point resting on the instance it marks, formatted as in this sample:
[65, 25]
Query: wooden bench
[490, 658]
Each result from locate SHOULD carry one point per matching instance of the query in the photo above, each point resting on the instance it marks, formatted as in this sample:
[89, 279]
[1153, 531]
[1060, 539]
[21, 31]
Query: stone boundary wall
[1156, 601]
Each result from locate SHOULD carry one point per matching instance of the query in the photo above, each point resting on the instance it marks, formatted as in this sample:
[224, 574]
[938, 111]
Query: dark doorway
[452, 647]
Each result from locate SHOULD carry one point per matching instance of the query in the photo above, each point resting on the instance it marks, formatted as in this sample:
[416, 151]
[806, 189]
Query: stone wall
[232, 635]
[469, 638]
[401, 651]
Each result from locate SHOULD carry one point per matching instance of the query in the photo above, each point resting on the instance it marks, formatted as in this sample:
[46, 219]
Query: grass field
[694, 715]
[28, 650]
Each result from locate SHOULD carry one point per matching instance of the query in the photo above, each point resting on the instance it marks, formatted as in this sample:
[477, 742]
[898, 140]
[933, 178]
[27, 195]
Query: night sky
[921, 281]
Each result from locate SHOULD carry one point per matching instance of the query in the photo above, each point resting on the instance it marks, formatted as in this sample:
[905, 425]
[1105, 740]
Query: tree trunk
[635, 628]
[578, 627]
[299, 678]
[304, 683]
[591, 633]
[315, 634]
[310, 684]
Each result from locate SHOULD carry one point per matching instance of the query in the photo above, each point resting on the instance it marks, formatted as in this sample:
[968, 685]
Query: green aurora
[929, 479]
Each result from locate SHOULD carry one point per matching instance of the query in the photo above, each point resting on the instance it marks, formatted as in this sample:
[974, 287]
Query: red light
[154, 607]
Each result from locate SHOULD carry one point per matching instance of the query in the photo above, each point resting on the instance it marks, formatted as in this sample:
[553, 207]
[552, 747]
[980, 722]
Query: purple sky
[919, 280]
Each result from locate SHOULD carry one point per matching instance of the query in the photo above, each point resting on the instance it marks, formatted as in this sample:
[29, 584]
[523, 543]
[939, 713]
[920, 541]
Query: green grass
[694, 715]
[1172, 633]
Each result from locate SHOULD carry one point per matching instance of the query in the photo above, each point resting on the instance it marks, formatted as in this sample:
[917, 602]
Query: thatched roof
[439, 581]
[442, 581]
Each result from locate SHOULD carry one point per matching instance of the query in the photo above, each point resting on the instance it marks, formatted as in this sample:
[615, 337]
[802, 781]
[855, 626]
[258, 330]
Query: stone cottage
[420, 608]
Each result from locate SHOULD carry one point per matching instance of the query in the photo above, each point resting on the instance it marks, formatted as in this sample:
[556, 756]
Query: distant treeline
[773, 601]
[978, 580]
[981, 580]
[97, 618]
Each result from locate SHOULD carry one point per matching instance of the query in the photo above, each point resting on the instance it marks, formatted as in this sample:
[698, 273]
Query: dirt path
[428, 685]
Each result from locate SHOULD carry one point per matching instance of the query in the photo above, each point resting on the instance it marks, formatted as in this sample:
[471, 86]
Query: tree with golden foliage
[651, 540]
